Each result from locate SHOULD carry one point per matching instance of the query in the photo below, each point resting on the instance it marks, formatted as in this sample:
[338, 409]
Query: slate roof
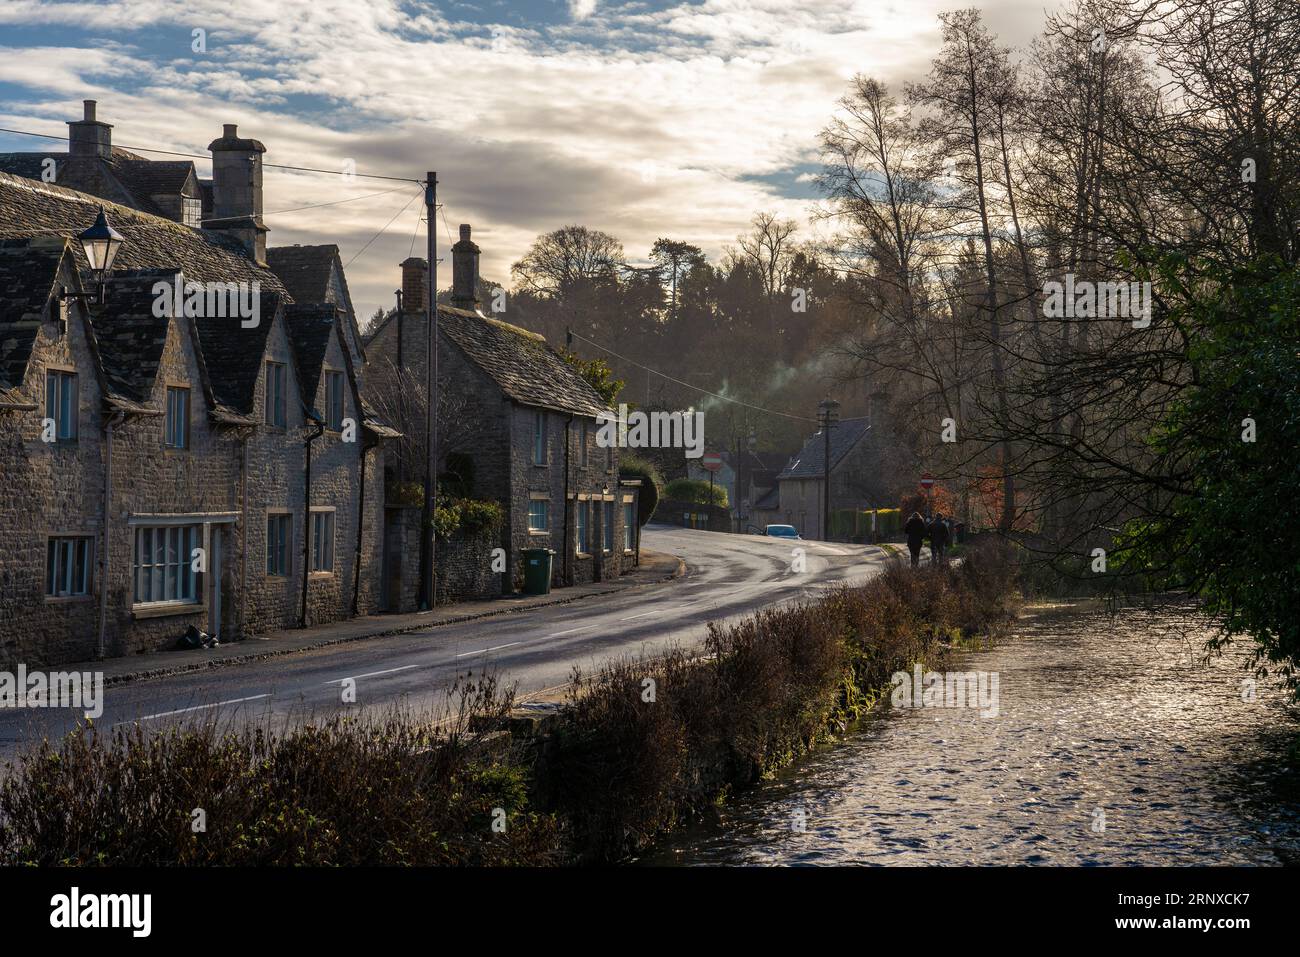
[145, 178]
[310, 327]
[521, 363]
[28, 274]
[124, 178]
[130, 337]
[234, 354]
[156, 248]
[809, 462]
[306, 272]
[30, 208]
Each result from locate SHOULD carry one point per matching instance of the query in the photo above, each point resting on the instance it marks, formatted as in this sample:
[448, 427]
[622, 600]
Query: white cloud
[581, 9]
[529, 129]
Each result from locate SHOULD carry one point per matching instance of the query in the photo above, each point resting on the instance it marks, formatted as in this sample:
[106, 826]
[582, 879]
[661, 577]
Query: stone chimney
[88, 136]
[237, 191]
[464, 271]
[415, 285]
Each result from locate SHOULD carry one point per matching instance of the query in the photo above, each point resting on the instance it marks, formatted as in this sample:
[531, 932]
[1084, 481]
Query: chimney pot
[464, 271]
[415, 279]
[237, 191]
[87, 136]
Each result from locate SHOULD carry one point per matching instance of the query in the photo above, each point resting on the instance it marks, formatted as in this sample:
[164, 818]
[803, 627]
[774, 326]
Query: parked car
[781, 531]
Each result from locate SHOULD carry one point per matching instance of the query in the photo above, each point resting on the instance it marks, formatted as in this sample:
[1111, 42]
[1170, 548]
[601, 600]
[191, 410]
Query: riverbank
[1117, 742]
[636, 750]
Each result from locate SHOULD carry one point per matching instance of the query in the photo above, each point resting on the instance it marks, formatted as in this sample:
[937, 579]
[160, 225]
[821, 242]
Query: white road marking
[481, 651]
[197, 707]
[571, 631]
[642, 615]
[370, 674]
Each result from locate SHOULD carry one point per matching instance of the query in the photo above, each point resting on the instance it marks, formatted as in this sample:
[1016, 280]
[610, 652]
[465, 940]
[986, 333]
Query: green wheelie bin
[537, 570]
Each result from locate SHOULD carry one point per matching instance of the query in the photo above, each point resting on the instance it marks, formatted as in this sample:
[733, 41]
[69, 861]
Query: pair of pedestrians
[938, 531]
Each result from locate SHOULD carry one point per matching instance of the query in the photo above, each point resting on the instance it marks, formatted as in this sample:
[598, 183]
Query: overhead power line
[724, 398]
[300, 169]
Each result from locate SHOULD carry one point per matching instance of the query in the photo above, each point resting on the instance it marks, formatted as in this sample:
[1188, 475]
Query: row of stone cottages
[160, 469]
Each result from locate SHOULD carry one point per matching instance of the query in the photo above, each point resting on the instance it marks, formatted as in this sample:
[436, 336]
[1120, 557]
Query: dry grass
[623, 766]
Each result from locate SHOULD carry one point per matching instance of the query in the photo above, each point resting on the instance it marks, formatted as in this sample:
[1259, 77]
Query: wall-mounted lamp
[101, 243]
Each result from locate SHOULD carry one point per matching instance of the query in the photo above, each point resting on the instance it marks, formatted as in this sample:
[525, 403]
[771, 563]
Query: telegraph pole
[826, 412]
[427, 538]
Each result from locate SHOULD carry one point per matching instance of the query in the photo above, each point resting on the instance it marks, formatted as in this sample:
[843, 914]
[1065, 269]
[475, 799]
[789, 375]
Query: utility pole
[826, 413]
[427, 538]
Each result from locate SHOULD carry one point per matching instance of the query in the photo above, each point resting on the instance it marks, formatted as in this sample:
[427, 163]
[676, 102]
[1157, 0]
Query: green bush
[468, 517]
[697, 491]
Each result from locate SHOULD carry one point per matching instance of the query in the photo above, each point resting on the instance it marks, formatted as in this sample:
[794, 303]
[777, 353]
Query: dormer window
[61, 405]
[275, 394]
[176, 429]
[191, 212]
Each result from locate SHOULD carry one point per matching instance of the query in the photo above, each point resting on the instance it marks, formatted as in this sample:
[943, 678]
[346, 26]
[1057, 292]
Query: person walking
[938, 540]
[915, 530]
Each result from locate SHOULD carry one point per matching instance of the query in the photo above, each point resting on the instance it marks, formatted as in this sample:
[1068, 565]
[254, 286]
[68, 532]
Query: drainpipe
[306, 522]
[105, 557]
[243, 537]
[568, 552]
[361, 524]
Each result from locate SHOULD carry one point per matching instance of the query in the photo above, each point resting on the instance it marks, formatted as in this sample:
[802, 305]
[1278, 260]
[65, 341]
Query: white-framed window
[607, 527]
[164, 563]
[539, 438]
[275, 385]
[539, 518]
[629, 524]
[67, 566]
[334, 401]
[581, 538]
[191, 212]
[322, 541]
[176, 429]
[279, 543]
[61, 403]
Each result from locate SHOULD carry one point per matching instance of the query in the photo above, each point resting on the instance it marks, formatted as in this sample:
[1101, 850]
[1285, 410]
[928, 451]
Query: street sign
[927, 481]
[711, 462]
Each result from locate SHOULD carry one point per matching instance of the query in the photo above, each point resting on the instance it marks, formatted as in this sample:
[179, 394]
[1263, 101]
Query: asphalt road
[727, 576]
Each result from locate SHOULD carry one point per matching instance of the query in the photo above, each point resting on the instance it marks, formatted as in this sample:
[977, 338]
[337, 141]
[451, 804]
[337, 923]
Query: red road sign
[927, 480]
[711, 462]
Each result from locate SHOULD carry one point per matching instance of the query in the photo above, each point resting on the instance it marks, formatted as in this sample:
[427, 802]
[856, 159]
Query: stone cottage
[800, 487]
[168, 467]
[517, 426]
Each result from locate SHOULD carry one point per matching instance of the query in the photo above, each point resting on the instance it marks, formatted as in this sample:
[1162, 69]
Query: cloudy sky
[675, 118]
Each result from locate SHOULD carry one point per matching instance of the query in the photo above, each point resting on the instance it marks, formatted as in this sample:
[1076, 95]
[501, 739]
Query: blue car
[781, 531]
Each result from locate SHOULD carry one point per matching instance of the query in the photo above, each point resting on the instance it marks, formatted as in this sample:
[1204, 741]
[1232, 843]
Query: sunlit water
[1115, 743]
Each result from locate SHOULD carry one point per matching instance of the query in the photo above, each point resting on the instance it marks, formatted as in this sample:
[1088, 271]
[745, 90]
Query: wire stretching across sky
[203, 156]
[723, 398]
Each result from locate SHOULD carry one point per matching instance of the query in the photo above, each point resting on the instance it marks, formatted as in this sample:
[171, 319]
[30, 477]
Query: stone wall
[713, 518]
[464, 568]
[225, 482]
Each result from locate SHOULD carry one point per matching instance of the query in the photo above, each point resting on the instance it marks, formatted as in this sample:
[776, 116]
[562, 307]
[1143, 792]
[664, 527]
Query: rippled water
[1095, 712]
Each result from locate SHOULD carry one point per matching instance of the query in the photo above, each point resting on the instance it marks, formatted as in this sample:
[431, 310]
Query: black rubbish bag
[193, 638]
